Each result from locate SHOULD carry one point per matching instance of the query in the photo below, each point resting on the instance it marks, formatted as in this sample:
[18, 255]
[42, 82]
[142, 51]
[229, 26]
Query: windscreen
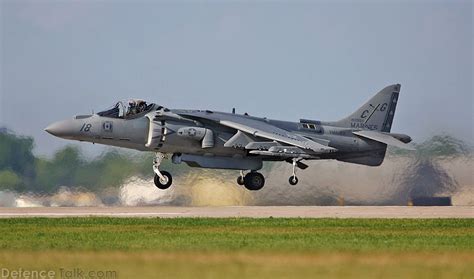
[117, 111]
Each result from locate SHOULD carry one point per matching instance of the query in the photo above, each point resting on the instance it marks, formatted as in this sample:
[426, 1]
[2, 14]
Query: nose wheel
[163, 179]
[165, 182]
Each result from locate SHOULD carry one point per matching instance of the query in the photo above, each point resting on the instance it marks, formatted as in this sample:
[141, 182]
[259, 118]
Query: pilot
[141, 106]
[132, 107]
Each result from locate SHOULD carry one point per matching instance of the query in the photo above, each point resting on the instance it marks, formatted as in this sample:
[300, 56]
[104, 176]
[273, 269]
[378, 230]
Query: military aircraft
[222, 140]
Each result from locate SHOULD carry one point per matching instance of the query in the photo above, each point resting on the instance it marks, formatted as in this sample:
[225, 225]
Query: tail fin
[377, 114]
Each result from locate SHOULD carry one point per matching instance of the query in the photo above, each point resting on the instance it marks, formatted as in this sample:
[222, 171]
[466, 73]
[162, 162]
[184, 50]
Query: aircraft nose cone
[59, 129]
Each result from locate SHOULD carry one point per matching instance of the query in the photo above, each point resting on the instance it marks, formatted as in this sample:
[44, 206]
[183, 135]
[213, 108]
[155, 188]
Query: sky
[280, 59]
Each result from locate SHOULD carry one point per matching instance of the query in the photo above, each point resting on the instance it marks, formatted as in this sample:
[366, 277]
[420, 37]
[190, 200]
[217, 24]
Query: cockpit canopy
[128, 109]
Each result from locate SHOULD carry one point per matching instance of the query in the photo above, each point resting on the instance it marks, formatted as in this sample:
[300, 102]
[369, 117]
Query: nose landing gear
[162, 179]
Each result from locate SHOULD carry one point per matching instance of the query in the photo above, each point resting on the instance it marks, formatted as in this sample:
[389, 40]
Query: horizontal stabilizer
[383, 138]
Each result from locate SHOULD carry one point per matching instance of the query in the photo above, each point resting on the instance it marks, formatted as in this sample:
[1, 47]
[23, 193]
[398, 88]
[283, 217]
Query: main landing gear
[240, 179]
[163, 179]
[253, 180]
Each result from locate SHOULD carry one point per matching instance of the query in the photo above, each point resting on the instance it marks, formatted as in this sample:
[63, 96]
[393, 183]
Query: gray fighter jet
[221, 140]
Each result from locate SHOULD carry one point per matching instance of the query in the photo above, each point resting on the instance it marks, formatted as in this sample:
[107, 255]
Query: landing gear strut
[163, 179]
[293, 179]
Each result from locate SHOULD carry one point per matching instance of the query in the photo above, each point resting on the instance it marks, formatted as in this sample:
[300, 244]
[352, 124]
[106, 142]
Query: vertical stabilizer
[376, 114]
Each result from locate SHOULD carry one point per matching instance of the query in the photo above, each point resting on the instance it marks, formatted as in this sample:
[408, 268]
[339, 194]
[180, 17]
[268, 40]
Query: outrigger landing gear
[293, 179]
[163, 179]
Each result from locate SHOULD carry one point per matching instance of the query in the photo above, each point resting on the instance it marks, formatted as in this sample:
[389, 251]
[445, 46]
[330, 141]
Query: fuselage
[133, 133]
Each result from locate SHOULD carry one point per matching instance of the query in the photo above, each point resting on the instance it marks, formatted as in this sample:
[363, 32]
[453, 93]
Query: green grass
[232, 247]
[237, 234]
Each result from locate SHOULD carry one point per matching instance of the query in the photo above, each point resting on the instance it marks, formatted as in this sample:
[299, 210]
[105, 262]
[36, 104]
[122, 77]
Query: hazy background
[283, 60]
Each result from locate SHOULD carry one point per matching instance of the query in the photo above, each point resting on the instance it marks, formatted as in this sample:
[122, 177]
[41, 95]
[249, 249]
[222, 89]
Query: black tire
[293, 180]
[254, 181]
[240, 180]
[166, 185]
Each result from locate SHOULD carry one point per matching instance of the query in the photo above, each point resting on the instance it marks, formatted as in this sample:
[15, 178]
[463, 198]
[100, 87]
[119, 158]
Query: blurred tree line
[21, 170]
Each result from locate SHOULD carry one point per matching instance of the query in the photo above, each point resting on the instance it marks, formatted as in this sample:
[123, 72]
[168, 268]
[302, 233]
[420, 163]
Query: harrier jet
[222, 140]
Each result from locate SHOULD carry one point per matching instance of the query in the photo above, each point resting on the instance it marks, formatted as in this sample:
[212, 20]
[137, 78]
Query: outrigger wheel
[293, 180]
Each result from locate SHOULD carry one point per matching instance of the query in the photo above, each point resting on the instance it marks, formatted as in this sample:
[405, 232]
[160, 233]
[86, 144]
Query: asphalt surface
[246, 211]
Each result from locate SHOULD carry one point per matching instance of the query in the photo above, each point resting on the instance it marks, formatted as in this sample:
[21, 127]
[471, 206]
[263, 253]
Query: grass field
[237, 248]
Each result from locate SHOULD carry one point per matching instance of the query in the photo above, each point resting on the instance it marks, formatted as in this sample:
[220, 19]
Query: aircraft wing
[264, 130]
[268, 131]
[165, 114]
[383, 138]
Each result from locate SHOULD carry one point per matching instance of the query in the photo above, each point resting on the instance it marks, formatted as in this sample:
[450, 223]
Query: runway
[246, 211]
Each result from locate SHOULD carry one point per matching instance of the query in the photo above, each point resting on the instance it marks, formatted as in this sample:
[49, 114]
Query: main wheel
[293, 180]
[240, 180]
[163, 184]
[254, 181]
